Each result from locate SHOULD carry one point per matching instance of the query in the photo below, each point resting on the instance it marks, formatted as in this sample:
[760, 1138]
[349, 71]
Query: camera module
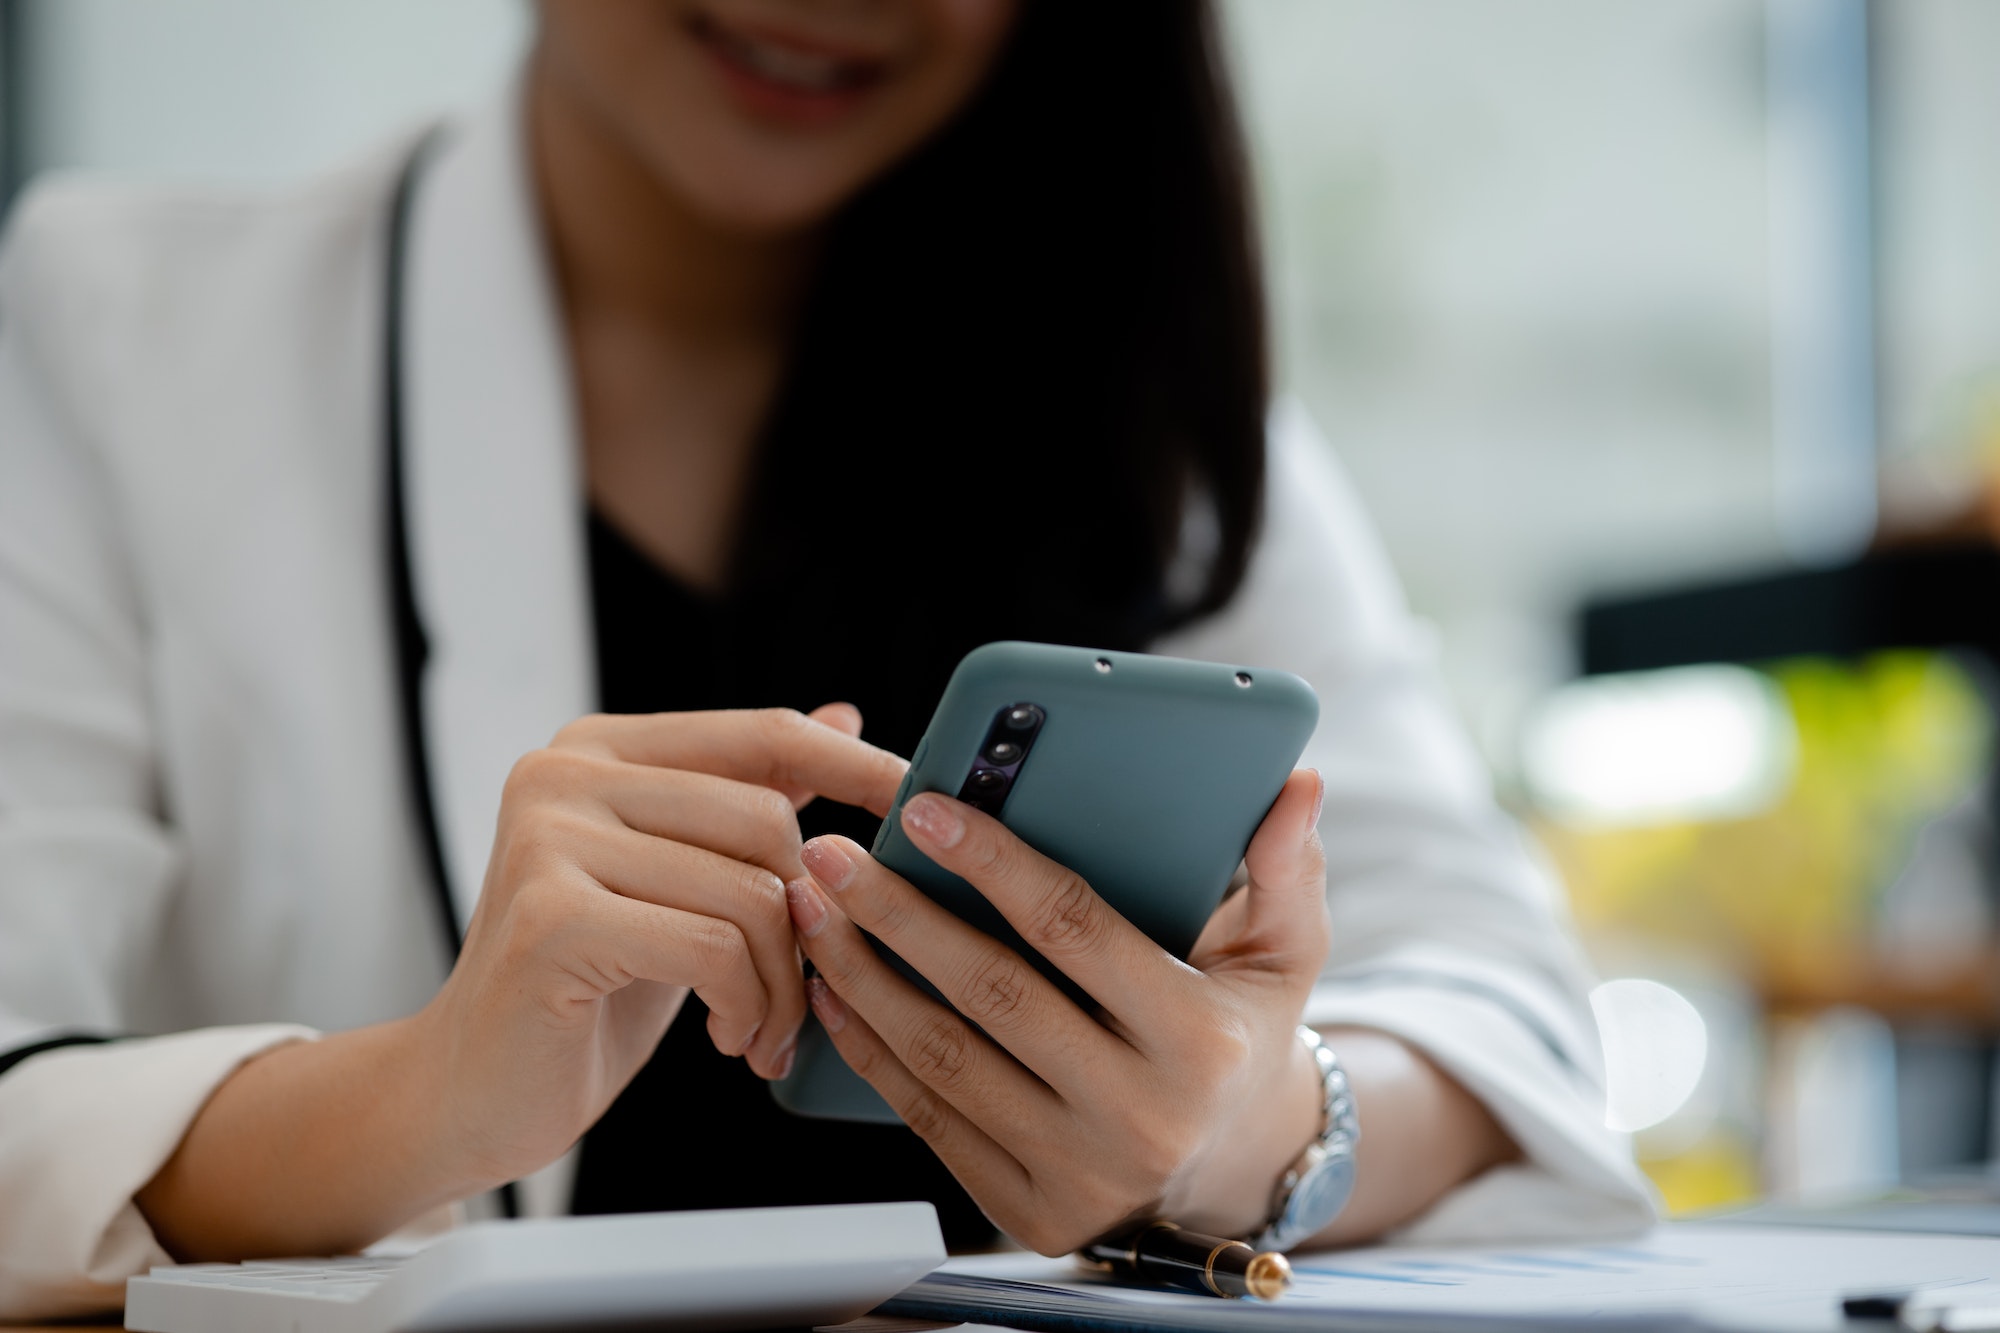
[1009, 736]
[1003, 753]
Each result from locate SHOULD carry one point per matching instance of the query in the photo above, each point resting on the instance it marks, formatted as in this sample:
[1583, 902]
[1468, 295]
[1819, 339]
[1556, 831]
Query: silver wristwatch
[1316, 1186]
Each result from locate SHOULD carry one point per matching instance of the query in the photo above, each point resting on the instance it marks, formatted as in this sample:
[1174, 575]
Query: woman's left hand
[1187, 1096]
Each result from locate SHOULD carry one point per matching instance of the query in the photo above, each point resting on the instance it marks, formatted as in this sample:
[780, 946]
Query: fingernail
[936, 819]
[808, 912]
[832, 1013]
[781, 1059]
[1319, 796]
[749, 1037]
[829, 865]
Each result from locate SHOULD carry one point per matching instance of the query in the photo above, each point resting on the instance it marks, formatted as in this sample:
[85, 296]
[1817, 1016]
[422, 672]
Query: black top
[697, 1129]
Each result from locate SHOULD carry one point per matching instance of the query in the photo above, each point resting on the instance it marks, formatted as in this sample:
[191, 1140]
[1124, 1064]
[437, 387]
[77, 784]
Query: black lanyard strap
[413, 649]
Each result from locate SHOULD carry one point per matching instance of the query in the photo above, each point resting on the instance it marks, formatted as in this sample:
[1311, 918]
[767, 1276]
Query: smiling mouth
[786, 75]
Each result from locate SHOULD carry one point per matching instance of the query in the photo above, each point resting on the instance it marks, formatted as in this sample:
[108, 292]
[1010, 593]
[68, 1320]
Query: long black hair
[1032, 347]
[1026, 353]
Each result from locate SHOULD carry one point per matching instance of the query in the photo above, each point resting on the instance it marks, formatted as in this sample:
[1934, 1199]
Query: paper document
[1683, 1276]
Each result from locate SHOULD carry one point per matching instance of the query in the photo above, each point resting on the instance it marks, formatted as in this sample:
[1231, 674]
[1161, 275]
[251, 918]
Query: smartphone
[1145, 775]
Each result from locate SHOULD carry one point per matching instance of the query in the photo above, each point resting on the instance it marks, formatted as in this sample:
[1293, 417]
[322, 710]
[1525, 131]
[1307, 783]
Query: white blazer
[206, 834]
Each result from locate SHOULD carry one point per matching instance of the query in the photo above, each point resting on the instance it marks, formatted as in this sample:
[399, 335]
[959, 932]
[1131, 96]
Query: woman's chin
[764, 203]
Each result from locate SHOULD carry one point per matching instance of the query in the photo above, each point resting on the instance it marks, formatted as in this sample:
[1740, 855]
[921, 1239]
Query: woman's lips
[784, 78]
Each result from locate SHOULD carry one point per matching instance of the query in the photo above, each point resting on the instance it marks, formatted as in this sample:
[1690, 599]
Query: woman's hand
[1187, 1096]
[636, 859]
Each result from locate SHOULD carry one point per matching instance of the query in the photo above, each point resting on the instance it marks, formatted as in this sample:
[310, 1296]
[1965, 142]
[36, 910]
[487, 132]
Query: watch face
[1319, 1198]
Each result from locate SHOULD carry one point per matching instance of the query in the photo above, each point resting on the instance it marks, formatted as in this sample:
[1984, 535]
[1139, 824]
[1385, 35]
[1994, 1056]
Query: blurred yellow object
[1719, 1171]
[1884, 744]
[1786, 899]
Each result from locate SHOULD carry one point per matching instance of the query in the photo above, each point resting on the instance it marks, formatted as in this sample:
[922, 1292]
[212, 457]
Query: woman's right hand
[637, 859]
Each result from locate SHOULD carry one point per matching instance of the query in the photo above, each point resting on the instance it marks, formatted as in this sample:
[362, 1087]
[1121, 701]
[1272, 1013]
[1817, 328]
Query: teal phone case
[1148, 778]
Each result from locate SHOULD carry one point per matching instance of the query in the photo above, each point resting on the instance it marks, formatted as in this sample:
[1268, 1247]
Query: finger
[944, 1052]
[1285, 903]
[989, 1173]
[1056, 912]
[986, 981]
[696, 881]
[739, 820]
[842, 717]
[771, 747]
[620, 940]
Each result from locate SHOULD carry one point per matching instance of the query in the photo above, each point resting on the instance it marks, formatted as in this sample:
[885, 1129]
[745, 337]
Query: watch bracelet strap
[1340, 1132]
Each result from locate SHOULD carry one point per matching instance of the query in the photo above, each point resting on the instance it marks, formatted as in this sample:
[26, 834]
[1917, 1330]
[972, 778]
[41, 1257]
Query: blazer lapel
[493, 489]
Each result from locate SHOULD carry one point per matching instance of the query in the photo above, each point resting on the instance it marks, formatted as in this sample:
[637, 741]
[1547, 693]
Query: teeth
[800, 69]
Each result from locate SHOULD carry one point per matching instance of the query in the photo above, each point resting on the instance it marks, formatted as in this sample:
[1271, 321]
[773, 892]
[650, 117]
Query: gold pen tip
[1267, 1276]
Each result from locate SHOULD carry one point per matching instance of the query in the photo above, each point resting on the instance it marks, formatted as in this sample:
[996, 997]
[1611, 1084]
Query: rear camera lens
[1003, 753]
[1023, 717]
[985, 781]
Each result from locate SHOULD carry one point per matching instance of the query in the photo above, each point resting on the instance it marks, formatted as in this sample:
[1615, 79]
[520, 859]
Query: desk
[865, 1324]
[1733, 1273]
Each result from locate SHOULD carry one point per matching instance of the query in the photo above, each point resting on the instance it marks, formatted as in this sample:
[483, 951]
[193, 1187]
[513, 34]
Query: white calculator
[734, 1269]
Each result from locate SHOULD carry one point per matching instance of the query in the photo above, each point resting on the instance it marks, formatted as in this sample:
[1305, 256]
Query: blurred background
[1663, 342]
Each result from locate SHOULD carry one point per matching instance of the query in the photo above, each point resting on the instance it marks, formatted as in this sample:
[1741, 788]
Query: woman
[752, 353]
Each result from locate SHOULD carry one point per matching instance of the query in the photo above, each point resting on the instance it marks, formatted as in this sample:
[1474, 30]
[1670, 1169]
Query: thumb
[1286, 899]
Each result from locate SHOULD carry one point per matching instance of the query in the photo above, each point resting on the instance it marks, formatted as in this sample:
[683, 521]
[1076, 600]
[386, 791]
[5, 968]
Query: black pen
[1925, 1311]
[1163, 1253]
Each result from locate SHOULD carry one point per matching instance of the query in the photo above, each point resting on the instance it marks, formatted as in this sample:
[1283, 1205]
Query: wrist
[1318, 1185]
[420, 1094]
[314, 1148]
[1425, 1135]
[457, 1143]
[1232, 1191]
